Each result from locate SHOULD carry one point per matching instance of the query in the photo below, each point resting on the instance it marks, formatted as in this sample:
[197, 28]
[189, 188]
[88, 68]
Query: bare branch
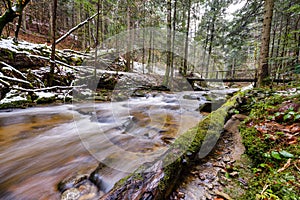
[48, 88]
[14, 79]
[76, 27]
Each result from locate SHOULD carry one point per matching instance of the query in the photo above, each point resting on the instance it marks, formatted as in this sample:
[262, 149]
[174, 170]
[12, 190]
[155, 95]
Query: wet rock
[234, 174]
[189, 153]
[208, 196]
[96, 178]
[211, 106]
[71, 182]
[88, 188]
[181, 195]
[210, 177]
[226, 158]
[242, 181]
[191, 97]
[209, 186]
[202, 177]
[71, 194]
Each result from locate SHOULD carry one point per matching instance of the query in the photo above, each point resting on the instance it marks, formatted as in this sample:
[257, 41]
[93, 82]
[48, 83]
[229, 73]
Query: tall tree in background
[265, 41]
[186, 48]
[12, 11]
[53, 31]
[173, 37]
[169, 40]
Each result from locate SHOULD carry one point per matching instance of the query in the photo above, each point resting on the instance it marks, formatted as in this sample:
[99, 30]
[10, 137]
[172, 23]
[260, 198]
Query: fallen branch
[14, 79]
[13, 69]
[296, 165]
[286, 165]
[76, 27]
[59, 62]
[75, 52]
[48, 88]
[222, 194]
[4, 83]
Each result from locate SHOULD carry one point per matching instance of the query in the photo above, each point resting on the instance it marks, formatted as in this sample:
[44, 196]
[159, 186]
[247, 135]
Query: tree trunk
[128, 51]
[278, 48]
[52, 66]
[18, 29]
[204, 52]
[272, 67]
[12, 12]
[212, 35]
[150, 52]
[169, 40]
[97, 40]
[173, 38]
[186, 48]
[265, 41]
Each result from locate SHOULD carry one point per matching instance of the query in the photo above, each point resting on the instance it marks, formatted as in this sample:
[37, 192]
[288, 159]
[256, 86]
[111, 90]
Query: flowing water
[41, 146]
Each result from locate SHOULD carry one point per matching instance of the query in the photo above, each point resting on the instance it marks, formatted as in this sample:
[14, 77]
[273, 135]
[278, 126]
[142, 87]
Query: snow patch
[45, 94]
[13, 96]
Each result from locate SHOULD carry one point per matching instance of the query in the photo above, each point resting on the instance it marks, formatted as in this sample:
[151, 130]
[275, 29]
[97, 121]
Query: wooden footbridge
[232, 76]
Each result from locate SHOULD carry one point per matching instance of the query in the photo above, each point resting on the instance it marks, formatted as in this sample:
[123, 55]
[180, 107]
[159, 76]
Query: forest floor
[258, 155]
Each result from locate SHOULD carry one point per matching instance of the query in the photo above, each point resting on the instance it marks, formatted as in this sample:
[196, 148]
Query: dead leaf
[286, 165]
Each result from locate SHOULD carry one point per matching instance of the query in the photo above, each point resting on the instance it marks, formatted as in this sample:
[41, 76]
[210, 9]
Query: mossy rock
[16, 104]
[46, 100]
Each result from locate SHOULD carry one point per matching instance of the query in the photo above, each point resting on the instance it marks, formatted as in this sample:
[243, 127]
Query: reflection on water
[41, 146]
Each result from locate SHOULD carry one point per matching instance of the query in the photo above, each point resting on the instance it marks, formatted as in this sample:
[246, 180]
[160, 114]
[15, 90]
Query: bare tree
[12, 11]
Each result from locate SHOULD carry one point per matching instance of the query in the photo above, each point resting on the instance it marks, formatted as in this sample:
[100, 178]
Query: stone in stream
[71, 182]
[70, 194]
[77, 187]
[210, 106]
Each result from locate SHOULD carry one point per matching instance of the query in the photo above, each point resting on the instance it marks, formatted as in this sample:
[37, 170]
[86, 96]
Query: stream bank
[257, 156]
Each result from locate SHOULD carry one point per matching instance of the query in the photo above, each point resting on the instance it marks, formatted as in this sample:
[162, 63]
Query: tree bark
[173, 38]
[128, 50]
[263, 72]
[169, 41]
[18, 29]
[186, 48]
[11, 13]
[52, 64]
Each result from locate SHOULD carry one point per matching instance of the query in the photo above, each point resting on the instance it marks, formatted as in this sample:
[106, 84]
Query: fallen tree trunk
[156, 180]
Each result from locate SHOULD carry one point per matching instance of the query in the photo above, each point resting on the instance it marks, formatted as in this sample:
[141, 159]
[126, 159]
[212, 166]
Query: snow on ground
[13, 96]
[10, 45]
[44, 94]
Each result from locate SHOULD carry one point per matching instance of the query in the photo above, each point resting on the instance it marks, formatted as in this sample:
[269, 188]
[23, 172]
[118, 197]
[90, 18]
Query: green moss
[7, 53]
[267, 181]
[191, 141]
[45, 100]
[16, 104]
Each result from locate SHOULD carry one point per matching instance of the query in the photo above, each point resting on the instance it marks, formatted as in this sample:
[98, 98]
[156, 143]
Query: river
[41, 146]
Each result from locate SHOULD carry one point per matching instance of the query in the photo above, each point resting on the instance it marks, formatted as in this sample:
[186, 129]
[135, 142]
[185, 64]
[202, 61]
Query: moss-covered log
[156, 180]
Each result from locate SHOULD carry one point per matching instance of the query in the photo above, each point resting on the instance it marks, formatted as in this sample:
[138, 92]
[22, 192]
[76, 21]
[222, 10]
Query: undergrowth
[271, 136]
